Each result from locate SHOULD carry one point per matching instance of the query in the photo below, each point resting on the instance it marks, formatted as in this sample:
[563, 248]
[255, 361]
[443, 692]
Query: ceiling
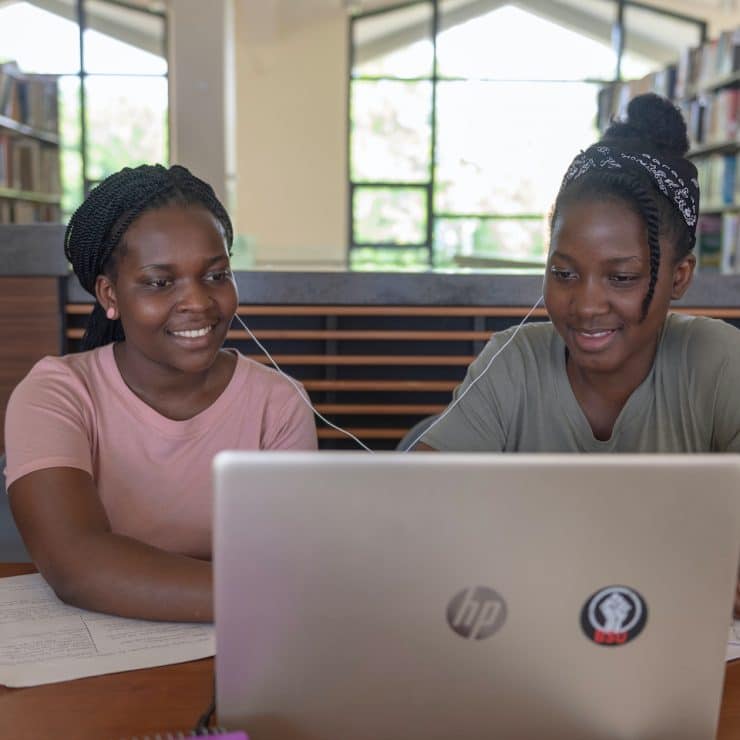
[264, 19]
[141, 30]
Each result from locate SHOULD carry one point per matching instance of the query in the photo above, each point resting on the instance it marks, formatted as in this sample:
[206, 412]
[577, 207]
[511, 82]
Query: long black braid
[655, 125]
[94, 236]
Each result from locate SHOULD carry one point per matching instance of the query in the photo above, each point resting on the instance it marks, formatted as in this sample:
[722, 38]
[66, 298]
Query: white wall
[201, 71]
[292, 133]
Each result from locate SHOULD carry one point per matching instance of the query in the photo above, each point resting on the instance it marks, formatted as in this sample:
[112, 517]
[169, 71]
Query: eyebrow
[169, 266]
[611, 260]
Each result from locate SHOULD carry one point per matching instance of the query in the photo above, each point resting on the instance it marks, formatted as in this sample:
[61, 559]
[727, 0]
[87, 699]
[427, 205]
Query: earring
[110, 314]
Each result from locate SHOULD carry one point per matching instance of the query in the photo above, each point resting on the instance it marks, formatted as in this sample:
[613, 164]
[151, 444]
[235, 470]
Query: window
[464, 114]
[110, 56]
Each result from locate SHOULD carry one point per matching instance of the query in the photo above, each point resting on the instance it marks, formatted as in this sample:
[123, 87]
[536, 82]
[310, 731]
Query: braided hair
[653, 124]
[94, 239]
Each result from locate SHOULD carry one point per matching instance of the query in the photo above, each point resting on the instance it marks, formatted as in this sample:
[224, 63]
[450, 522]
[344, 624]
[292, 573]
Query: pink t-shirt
[153, 474]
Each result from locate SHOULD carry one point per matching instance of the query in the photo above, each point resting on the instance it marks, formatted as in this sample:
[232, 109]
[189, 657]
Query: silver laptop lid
[395, 597]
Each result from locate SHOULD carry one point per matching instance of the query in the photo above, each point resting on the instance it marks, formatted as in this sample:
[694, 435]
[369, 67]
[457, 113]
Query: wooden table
[118, 705]
[166, 699]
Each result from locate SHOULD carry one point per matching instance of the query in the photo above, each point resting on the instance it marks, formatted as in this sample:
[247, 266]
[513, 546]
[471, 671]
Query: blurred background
[363, 135]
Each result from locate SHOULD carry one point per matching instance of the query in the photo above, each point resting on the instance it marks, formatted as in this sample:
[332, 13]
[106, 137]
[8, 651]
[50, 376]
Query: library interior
[389, 168]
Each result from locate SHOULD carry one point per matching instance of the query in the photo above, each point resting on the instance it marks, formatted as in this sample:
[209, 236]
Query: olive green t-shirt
[689, 402]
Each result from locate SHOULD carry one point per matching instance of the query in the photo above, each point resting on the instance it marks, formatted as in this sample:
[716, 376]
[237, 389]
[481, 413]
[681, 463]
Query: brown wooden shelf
[712, 85]
[429, 371]
[715, 313]
[326, 335]
[79, 309]
[82, 309]
[717, 147]
[362, 434]
[10, 124]
[719, 208]
[404, 360]
[358, 334]
[30, 197]
[378, 409]
[380, 385]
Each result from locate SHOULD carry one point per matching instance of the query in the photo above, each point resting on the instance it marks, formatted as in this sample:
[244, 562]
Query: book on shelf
[710, 64]
[687, 72]
[692, 113]
[31, 213]
[613, 99]
[730, 245]
[707, 63]
[728, 53]
[719, 117]
[5, 158]
[29, 165]
[712, 118]
[718, 180]
[703, 69]
[708, 247]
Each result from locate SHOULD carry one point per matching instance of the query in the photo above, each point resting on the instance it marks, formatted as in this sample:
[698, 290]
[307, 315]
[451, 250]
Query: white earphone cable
[300, 390]
[483, 372]
[307, 401]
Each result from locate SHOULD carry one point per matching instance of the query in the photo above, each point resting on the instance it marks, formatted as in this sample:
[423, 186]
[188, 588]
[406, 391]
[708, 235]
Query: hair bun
[653, 120]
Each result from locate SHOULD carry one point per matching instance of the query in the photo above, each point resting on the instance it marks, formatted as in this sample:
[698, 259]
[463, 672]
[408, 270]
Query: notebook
[438, 596]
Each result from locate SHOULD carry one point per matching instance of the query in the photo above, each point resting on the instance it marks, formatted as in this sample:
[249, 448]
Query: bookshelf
[705, 83]
[30, 187]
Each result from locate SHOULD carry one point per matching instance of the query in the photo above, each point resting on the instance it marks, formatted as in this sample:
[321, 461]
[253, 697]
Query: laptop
[441, 596]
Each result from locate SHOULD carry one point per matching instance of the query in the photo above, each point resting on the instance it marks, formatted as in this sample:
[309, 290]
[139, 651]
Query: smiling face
[597, 276]
[172, 289]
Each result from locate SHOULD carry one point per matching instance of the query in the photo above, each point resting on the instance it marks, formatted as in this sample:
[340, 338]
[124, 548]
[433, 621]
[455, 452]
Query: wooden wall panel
[30, 328]
[374, 370]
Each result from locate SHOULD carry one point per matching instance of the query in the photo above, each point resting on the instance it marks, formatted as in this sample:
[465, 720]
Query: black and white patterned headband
[675, 178]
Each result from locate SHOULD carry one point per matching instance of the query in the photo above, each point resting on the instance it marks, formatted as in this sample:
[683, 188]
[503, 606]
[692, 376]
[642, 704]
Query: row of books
[710, 118]
[613, 99]
[706, 65]
[713, 119]
[719, 180]
[21, 212]
[718, 243]
[29, 99]
[28, 164]
[693, 80]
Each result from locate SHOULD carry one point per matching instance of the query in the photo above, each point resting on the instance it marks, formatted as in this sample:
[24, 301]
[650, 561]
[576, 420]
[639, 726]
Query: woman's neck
[603, 395]
[174, 394]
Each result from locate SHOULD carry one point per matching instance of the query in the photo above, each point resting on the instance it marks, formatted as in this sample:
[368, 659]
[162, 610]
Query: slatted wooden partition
[30, 328]
[375, 370]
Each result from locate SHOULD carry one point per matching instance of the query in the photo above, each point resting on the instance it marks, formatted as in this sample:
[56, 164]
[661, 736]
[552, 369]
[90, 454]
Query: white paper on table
[43, 640]
[733, 642]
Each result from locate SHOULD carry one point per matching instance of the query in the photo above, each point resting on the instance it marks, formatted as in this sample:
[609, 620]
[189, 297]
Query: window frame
[82, 75]
[618, 36]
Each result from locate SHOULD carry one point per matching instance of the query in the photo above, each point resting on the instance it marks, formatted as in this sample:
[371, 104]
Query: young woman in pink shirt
[109, 450]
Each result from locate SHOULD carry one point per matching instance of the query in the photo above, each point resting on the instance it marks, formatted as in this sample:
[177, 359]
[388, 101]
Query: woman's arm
[67, 533]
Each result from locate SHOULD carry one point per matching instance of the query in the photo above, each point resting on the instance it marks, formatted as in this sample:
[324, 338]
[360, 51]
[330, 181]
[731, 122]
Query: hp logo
[476, 612]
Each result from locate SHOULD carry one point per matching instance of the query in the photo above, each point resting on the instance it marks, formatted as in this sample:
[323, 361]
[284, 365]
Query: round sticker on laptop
[614, 616]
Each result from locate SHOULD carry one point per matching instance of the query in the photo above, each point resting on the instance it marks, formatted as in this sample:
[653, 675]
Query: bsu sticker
[613, 616]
